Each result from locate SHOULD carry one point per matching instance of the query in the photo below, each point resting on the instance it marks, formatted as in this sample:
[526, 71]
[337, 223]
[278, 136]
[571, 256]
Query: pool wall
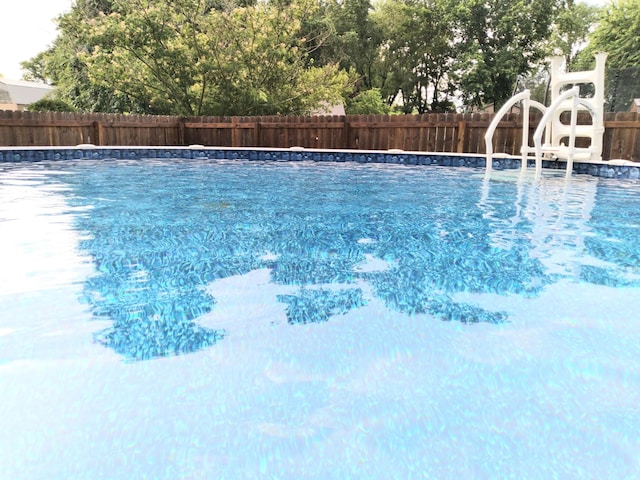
[620, 169]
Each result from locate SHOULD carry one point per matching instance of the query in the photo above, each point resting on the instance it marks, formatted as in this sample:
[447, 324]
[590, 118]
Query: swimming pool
[236, 319]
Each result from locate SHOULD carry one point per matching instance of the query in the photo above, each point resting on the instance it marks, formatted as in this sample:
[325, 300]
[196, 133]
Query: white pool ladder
[527, 103]
[554, 130]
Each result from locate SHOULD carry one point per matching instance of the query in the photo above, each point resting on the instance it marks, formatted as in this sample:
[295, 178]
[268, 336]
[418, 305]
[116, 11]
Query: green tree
[358, 39]
[569, 32]
[417, 53]
[62, 64]
[192, 57]
[367, 102]
[618, 34]
[34, 68]
[50, 105]
[502, 40]
[571, 28]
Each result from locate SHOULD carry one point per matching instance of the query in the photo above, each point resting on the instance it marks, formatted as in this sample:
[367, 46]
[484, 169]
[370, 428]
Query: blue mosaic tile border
[291, 155]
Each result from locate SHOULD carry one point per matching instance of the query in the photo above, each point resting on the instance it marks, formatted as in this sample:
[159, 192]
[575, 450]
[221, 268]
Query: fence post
[462, 133]
[345, 132]
[257, 133]
[181, 131]
[98, 139]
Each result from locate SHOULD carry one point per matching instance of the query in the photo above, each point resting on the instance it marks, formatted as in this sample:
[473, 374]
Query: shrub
[367, 102]
[50, 105]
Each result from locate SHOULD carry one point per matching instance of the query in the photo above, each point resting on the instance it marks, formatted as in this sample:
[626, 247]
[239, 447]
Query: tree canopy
[189, 57]
[244, 57]
[618, 34]
[570, 30]
[504, 39]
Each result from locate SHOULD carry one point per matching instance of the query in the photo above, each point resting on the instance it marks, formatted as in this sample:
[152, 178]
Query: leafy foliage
[418, 53]
[190, 57]
[63, 64]
[367, 102]
[358, 38]
[50, 105]
[618, 34]
[244, 57]
[570, 30]
[503, 39]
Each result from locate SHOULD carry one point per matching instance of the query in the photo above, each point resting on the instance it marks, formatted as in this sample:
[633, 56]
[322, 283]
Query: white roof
[4, 96]
[22, 92]
[327, 109]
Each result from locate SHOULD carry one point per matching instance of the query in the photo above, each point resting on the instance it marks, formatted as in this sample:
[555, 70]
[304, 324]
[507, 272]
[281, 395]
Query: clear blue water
[213, 319]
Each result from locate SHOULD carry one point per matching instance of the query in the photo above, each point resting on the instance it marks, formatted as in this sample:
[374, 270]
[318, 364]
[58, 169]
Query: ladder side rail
[597, 120]
[537, 136]
[488, 136]
[525, 149]
[572, 136]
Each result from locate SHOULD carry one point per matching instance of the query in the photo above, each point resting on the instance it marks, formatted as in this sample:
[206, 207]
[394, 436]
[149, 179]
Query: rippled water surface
[216, 319]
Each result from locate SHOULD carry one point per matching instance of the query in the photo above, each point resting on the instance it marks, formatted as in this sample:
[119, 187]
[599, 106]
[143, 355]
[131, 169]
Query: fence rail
[455, 133]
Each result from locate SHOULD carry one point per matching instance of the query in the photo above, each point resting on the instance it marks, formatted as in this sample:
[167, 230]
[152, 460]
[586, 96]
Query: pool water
[231, 319]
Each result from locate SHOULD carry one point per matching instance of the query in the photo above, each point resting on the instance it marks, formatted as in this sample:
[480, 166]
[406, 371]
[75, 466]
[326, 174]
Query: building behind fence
[455, 133]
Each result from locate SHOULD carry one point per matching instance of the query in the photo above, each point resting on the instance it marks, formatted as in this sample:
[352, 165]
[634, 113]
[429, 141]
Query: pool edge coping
[606, 169]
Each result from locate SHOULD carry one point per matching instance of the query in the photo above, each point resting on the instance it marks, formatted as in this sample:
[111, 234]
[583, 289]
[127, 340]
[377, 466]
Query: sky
[27, 28]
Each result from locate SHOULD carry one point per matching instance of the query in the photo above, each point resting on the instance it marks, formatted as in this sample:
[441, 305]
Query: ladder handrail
[525, 98]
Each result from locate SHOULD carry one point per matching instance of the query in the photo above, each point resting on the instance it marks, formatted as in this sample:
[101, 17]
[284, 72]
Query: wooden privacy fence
[455, 133]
